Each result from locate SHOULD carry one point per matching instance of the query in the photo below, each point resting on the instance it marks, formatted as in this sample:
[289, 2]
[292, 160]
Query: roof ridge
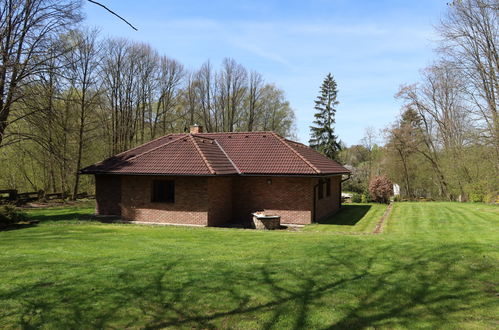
[302, 145]
[155, 148]
[202, 137]
[144, 144]
[283, 141]
[296, 142]
[230, 160]
[127, 151]
[250, 132]
[210, 168]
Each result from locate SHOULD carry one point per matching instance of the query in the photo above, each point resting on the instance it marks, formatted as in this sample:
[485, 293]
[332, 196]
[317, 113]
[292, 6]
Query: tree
[253, 99]
[26, 32]
[171, 74]
[322, 134]
[403, 141]
[277, 115]
[232, 86]
[96, 98]
[369, 142]
[470, 34]
[82, 63]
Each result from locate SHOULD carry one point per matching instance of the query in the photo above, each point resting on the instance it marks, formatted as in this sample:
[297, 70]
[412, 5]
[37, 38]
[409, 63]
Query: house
[209, 179]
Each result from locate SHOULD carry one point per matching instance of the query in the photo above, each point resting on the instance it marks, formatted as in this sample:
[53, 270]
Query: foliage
[444, 144]
[492, 198]
[26, 31]
[356, 198]
[381, 189]
[476, 197]
[10, 215]
[364, 161]
[422, 272]
[322, 133]
[103, 96]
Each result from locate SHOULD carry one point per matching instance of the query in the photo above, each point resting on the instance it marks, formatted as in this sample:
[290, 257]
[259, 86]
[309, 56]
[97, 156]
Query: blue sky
[371, 47]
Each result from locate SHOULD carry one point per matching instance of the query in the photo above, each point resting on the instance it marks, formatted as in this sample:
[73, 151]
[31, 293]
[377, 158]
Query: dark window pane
[170, 191]
[163, 191]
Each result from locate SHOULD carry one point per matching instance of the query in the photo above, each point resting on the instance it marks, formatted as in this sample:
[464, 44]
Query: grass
[352, 218]
[436, 266]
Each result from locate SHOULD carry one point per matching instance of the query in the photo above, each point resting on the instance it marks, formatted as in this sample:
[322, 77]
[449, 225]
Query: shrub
[476, 197]
[491, 198]
[381, 189]
[10, 214]
[364, 198]
[356, 198]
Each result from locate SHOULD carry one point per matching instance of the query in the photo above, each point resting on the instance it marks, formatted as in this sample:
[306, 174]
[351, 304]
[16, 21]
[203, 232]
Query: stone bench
[266, 221]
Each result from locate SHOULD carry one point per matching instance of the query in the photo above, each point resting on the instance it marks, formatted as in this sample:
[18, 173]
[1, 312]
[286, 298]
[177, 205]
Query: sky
[370, 47]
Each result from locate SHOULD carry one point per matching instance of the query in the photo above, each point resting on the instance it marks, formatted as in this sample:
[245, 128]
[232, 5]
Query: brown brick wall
[191, 201]
[220, 197]
[212, 201]
[291, 198]
[329, 204]
[107, 194]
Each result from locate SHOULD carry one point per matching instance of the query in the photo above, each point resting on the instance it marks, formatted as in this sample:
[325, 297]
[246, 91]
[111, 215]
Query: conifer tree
[322, 133]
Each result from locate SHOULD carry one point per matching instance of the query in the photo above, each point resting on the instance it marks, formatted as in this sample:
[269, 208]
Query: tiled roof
[264, 153]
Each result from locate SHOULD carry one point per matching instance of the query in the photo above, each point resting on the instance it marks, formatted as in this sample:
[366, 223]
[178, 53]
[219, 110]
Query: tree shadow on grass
[368, 287]
[69, 216]
[348, 215]
[35, 220]
[79, 216]
[17, 226]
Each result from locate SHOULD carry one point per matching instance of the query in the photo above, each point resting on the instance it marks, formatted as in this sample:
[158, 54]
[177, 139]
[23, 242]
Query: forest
[69, 98]
[444, 145]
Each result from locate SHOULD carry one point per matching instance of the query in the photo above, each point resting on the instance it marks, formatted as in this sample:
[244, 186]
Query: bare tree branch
[112, 12]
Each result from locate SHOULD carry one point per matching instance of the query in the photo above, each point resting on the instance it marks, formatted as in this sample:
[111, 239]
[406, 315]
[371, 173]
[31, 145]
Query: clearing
[435, 266]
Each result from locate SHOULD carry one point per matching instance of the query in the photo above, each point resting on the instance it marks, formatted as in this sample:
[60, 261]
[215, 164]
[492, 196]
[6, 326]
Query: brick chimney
[195, 129]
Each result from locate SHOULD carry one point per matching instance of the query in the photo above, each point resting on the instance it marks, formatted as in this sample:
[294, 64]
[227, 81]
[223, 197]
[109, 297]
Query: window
[321, 190]
[163, 191]
[328, 187]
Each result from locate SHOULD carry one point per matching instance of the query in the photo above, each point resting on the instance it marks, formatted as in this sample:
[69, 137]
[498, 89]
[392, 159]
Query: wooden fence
[12, 196]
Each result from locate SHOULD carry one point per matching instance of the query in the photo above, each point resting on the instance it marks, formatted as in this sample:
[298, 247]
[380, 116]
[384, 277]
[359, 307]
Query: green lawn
[435, 266]
[352, 218]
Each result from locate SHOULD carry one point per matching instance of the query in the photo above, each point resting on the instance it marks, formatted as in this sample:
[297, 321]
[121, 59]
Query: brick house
[209, 179]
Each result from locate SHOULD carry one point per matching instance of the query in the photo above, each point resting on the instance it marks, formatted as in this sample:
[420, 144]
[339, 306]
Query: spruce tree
[322, 133]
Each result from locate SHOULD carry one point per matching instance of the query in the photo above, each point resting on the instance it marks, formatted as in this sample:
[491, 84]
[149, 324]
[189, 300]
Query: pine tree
[322, 133]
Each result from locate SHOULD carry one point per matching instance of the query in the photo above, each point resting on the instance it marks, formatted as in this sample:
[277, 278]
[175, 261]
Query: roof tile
[219, 154]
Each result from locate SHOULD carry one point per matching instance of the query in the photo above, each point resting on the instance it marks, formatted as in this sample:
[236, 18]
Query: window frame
[320, 192]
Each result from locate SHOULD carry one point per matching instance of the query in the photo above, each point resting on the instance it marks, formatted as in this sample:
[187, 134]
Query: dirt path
[381, 222]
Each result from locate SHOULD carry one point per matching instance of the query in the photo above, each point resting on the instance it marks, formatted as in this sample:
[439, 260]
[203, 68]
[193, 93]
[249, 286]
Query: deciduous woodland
[445, 142]
[69, 97]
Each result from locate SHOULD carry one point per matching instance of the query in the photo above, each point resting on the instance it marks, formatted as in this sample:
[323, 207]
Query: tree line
[69, 97]
[445, 143]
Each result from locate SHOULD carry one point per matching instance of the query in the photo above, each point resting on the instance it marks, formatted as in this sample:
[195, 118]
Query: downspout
[314, 213]
[343, 180]
[348, 178]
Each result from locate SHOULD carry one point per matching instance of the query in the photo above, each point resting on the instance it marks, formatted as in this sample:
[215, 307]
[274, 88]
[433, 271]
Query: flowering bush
[381, 189]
